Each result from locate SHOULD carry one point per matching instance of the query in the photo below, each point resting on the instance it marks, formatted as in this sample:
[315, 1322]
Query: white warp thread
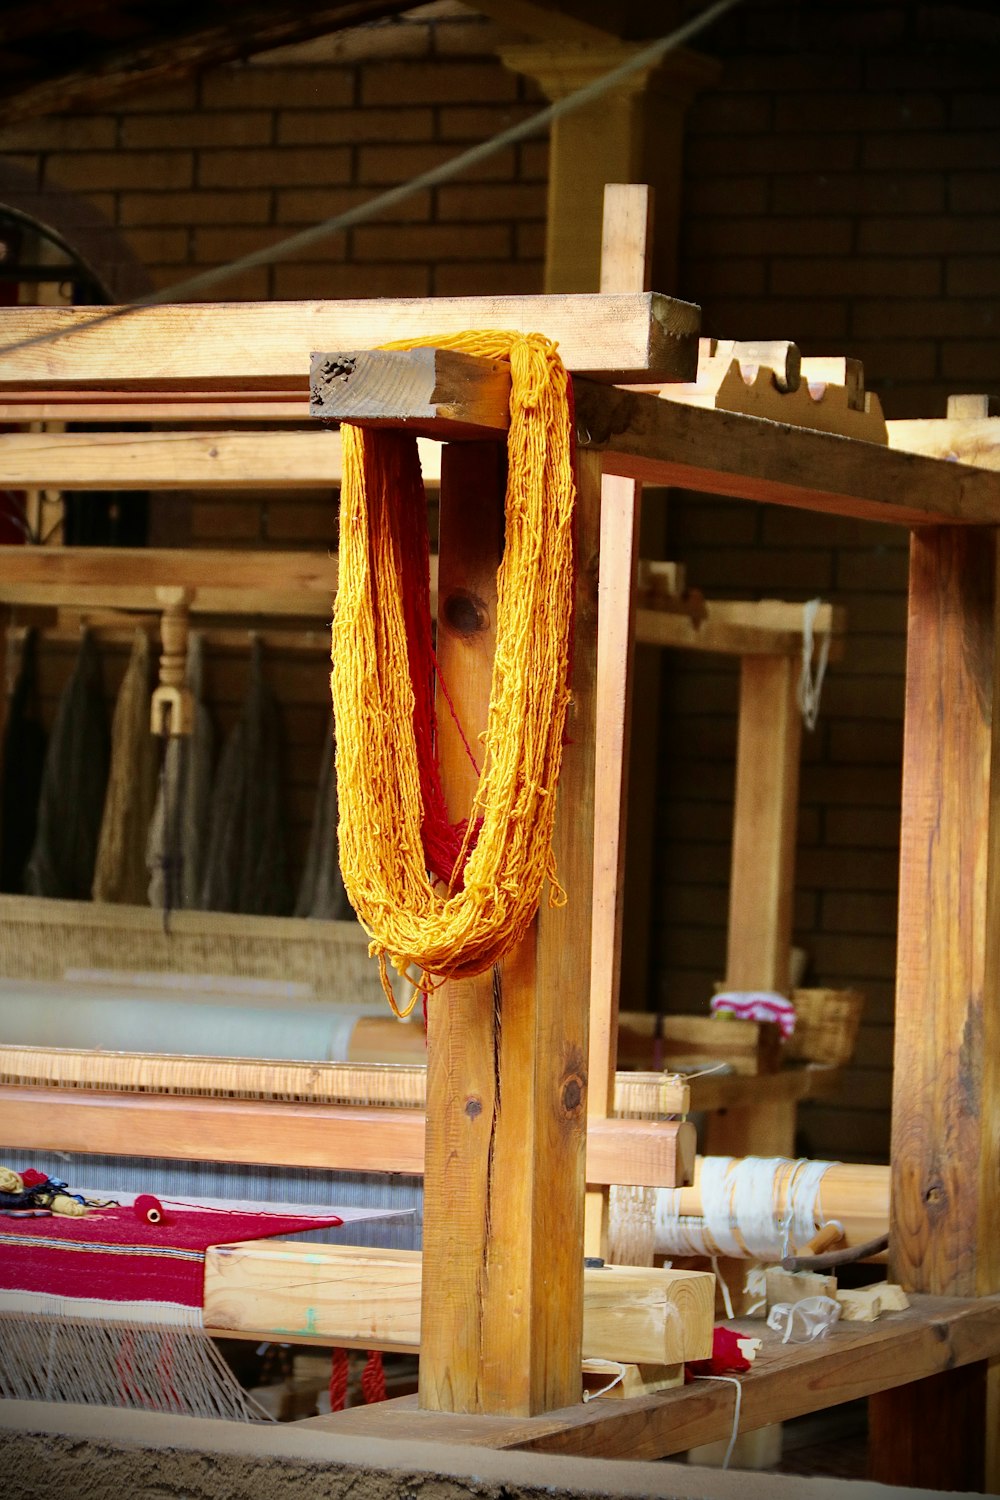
[810, 684]
[741, 1209]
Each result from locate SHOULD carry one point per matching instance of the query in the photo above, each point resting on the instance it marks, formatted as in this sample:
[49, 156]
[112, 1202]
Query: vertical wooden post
[946, 1084]
[764, 819]
[502, 1308]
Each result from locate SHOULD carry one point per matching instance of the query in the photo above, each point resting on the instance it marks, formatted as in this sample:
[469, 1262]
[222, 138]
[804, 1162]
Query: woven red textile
[115, 1257]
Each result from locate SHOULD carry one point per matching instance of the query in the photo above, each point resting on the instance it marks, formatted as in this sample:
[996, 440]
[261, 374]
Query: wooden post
[946, 1090]
[764, 818]
[504, 1167]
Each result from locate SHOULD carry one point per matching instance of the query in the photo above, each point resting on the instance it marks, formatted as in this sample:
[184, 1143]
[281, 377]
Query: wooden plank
[725, 453]
[734, 627]
[762, 873]
[170, 460]
[945, 1144]
[340, 1138]
[312, 576]
[852, 1361]
[648, 1039]
[240, 344]
[372, 1299]
[437, 392]
[963, 440]
[112, 407]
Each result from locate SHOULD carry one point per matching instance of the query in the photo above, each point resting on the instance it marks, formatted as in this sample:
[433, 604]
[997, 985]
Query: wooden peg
[172, 709]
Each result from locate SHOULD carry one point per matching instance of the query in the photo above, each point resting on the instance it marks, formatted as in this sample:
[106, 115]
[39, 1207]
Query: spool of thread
[149, 1209]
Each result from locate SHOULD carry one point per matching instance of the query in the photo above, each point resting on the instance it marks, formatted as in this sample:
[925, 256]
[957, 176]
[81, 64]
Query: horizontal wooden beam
[726, 453]
[237, 345]
[371, 1299]
[439, 393]
[112, 406]
[852, 1361]
[733, 627]
[961, 440]
[340, 1138]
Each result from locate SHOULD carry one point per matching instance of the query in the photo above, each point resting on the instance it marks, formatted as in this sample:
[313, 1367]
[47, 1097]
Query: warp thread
[382, 685]
[742, 1215]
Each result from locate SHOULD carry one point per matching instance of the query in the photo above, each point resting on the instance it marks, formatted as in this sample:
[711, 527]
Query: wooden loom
[945, 1146]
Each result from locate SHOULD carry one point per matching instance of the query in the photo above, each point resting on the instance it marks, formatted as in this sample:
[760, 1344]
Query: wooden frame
[944, 1198]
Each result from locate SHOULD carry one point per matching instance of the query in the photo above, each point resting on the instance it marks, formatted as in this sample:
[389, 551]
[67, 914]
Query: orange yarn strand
[410, 922]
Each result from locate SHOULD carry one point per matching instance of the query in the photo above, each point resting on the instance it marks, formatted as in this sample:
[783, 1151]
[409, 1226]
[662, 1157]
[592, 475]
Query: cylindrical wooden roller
[855, 1195]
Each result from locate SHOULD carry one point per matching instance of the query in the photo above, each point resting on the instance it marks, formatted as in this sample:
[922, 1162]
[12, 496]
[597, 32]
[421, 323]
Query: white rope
[810, 684]
[730, 1380]
[754, 1208]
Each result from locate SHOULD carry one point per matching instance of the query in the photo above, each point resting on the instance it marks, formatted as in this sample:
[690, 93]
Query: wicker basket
[826, 1026]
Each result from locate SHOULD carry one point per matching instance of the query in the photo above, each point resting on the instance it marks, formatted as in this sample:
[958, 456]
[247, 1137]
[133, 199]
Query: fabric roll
[246, 865]
[178, 833]
[321, 893]
[74, 783]
[120, 870]
[24, 744]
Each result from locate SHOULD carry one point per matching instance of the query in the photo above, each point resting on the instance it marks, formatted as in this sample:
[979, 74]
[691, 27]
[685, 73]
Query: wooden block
[611, 1380]
[236, 345]
[971, 408]
[795, 1286]
[371, 1299]
[437, 392]
[865, 1304]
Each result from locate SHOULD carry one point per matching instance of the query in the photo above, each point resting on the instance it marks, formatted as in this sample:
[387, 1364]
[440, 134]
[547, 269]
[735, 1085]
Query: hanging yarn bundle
[394, 828]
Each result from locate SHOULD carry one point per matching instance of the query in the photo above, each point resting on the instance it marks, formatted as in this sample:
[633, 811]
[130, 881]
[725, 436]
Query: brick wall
[842, 189]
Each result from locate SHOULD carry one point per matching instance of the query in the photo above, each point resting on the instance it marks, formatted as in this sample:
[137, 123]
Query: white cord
[810, 685]
[730, 1380]
[742, 1213]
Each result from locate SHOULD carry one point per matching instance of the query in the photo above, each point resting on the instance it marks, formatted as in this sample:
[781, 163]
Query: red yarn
[338, 1380]
[373, 1378]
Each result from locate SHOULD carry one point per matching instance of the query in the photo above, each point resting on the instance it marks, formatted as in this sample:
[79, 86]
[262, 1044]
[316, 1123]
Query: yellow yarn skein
[409, 921]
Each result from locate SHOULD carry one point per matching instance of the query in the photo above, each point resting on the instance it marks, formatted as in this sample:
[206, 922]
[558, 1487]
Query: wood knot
[935, 1194]
[572, 1094]
[473, 1107]
[465, 613]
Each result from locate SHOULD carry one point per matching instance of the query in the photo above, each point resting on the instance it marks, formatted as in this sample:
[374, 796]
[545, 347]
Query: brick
[399, 36]
[917, 399]
[215, 245]
[195, 208]
[944, 235]
[937, 69]
[863, 742]
[973, 276]
[853, 957]
[859, 786]
[892, 359]
[502, 278]
[802, 319]
[506, 200]
[856, 277]
[881, 654]
[972, 192]
[275, 167]
[226, 521]
[533, 161]
[783, 526]
[159, 245]
[706, 521]
[477, 122]
[431, 242]
[938, 318]
[877, 614]
[254, 87]
[732, 277]
[826, 1132]
[529, 241]
[398, 163]
[863, 698]
[781, 73]
[308, 281]
[253, 285]
[874, 1046]
[472, 36]
[61, 133]
[83, 171]
[176, 96]
[976, 110]
[862, 112]
[729, 114]
[970, 360]
[435, 83]
[850, 911]
[310, 205]
[942, 153]
[726, 567]
[769, 236]
[704, 196]
[332, 126]
[858, 192]
[236, 129]
[879, 568]
[773, 154]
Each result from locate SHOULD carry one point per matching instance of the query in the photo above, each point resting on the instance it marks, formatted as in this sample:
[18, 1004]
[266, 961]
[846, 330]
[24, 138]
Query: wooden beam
[852, 1361]
[946, 1093]
[111, 406]
[372, 1299]
[733, 627]
[339, 1138]
[436, 392]
[239, 345]
[931, 1433]
[726, 453]
[960, 440]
